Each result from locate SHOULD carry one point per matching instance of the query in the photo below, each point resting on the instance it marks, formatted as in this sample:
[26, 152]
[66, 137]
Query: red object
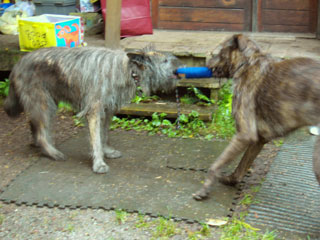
[135, 17]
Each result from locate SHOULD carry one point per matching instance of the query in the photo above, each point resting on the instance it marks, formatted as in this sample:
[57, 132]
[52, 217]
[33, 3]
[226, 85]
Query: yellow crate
[49, 30]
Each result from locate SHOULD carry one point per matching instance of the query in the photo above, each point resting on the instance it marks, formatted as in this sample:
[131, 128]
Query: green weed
[142, 223]
[190, 125]
[65, 107]
[69, 228]
[222, 120]
[1, 219]
[141, 97]
[121, 216]
[165, 228]
[247, 200]
[4, 88]
[195, 96]
[78, 122]
[205, 231]
[278, 142]
[237, 229]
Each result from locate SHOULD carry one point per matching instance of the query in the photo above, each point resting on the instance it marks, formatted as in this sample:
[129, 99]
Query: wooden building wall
[236, 15]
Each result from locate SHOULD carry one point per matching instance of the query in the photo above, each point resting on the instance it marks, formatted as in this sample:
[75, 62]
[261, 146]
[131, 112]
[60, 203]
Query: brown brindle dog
[270, 99]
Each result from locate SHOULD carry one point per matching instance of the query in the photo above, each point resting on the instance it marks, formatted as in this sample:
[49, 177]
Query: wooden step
[170, 108]
[212, 83]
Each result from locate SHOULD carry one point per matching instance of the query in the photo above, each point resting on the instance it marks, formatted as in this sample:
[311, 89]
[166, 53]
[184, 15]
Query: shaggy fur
[270, 99]
[96, 81]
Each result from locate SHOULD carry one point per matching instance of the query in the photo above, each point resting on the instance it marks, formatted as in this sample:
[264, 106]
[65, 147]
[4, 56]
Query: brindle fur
[270, 99]
[96, 81]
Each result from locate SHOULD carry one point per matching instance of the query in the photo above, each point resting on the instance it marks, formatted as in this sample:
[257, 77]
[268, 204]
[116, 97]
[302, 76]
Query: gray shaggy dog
[96, 81]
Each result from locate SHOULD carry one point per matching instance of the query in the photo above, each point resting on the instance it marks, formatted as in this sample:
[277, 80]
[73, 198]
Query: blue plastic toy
[194, 72]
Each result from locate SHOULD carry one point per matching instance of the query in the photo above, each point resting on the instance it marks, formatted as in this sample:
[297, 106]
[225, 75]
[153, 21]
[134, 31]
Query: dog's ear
[138, 58]
[241, 41]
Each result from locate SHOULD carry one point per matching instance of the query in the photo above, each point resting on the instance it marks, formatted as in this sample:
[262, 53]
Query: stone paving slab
[139, 181]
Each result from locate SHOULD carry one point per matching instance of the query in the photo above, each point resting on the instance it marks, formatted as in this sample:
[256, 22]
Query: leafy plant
[78, 122]
[195, 96]
[222, 120]
[190, 125]
[4, 87]
[141, 97]
[65, 107]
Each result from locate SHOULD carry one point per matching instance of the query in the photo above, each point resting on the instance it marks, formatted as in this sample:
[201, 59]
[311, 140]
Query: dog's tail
[12, 104]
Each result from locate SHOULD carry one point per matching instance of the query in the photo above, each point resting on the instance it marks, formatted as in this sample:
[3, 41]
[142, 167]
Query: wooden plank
[201, 15]
[200, 26]
[171, 109]
[287, 4]
[212, 83]
[112, 26]
[290, 17]
[155, 13]
[313, 15]
[285, 28]
[248, 15]
[204, 3]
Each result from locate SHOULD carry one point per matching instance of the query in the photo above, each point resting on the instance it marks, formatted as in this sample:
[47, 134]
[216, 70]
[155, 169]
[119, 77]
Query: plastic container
[3, 6]
[49, 30]
[194, 72]
[63, 7]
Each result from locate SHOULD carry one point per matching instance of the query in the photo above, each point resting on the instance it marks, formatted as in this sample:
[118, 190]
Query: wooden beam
[112, 26]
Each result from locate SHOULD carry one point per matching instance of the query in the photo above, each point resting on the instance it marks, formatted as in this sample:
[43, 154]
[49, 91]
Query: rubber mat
[137, 182]
[289, 199]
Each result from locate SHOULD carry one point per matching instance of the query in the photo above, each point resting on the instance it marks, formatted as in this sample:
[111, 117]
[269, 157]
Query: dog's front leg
[246, 161]
[94, 121]
[109, 152]
[237, 145]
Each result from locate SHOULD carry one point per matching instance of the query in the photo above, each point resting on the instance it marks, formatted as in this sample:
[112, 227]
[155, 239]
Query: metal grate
[289, 199]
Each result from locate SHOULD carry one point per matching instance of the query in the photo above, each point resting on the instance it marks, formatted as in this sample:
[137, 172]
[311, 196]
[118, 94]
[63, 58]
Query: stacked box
[63, 7]
[49, 30]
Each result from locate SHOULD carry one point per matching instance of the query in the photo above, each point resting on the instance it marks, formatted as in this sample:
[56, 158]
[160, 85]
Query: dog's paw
[100, 167]
[58, 156]
[112, 154]
[201, 194]
[228, 180]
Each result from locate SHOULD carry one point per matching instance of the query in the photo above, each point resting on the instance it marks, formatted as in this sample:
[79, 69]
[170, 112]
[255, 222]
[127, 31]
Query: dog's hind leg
[40, 123]
[94, 121]
[109, 152]
[237, 145]
[246, 161]
[316, 159]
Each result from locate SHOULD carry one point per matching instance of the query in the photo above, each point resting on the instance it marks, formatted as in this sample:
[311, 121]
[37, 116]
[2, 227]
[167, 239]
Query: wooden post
[155, 13]
[318, 22]
[112, 25]
[254, 26]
